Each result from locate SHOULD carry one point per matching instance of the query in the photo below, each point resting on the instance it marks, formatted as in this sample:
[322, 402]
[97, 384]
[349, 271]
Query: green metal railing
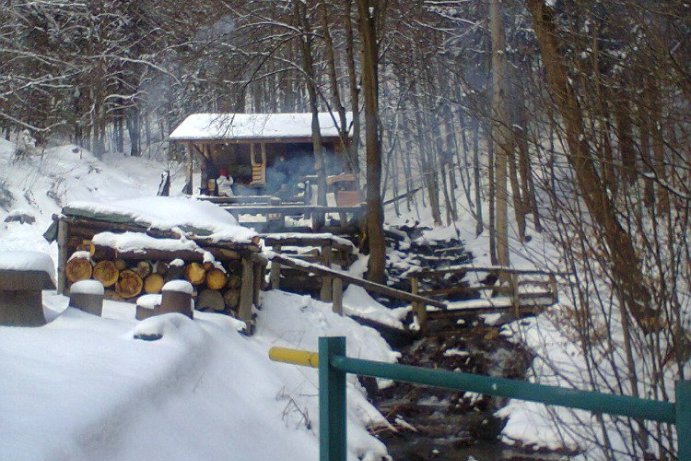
[333, 366]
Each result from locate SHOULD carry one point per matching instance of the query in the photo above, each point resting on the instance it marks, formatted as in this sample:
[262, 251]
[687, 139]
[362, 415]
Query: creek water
[436, 424]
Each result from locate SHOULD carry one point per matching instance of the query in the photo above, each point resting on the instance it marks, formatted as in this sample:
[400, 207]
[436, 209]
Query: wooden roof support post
[246, 293]
[258, 279]
[275, 275]
[189, 182]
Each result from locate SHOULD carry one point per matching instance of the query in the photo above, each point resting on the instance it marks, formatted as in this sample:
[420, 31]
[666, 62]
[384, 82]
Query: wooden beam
[366, 284]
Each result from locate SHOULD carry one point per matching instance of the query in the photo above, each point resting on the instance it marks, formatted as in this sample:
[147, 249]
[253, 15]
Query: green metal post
[683, 396]
[332, 401]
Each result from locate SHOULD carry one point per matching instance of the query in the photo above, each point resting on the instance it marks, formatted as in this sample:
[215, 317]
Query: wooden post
[258, 279]
[63, 233]
[515, 298]
[337, 295]
[246, 296]
[553, 288]
[189, 183]
[332, 401]
[325, 292]
[418, 307]
[275, 274]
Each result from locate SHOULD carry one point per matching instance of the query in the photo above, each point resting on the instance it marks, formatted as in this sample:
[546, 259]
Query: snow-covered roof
[193, 218]
[199, 127]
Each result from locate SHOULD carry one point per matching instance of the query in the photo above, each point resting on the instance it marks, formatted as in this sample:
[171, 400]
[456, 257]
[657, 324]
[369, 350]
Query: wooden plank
[290, 209]
[63, 233]
[467, 268]
[366, 284]
[239, 199]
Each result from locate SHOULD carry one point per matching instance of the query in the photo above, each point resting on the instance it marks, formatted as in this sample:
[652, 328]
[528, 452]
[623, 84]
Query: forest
[564, 118]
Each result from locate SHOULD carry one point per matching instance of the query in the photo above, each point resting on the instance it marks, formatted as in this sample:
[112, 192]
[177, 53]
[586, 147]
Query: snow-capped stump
[177, 297]
[23, 274]
[20, 216]
[147, 306]
[87, 296]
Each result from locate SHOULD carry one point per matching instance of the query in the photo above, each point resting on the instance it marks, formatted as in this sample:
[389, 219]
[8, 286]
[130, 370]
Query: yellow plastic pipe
[294, 356]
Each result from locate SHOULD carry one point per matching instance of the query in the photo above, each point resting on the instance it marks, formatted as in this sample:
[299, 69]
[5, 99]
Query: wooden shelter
[265, 154]
[133, 254]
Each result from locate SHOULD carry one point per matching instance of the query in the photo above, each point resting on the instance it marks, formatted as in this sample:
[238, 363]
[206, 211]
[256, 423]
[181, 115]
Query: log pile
[128, 275]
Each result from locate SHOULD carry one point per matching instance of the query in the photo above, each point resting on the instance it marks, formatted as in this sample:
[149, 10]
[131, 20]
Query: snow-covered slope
[83, 388]
[41, 184]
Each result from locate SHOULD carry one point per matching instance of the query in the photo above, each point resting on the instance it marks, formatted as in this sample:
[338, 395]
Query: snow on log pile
[134, 247]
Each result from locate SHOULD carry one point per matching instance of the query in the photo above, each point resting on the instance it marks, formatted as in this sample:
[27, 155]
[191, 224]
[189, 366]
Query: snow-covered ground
[83, 388]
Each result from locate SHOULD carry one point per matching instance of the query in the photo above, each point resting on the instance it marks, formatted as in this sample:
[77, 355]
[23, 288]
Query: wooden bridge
[514, 292]
[497, 289]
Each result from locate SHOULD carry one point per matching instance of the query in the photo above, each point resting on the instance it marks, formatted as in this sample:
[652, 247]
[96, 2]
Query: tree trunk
[300, 10]
[375, 213]
[133, 130]
[501, 133]
[626, 266]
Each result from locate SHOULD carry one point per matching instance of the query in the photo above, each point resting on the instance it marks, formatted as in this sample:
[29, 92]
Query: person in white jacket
[224, 183]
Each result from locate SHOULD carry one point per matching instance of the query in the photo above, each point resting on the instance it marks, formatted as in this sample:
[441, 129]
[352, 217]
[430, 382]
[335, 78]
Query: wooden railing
[335, 278]
[506, 282]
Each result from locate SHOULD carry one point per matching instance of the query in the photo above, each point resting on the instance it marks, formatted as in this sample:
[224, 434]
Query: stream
[437, 424]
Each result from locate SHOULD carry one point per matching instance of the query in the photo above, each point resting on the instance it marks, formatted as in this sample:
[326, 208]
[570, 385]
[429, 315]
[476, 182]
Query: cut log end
[106, 273]
[216, 279]
[153, 283]
[195, 273]
[129, 284]
[211, 299]
[78, 269]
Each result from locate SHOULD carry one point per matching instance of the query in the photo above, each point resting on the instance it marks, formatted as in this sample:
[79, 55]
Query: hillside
[82, 388]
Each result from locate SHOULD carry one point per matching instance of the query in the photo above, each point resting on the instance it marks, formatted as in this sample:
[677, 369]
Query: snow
[209, 126]
[174, 213]
[180, 286]
[149, 301]
[91, 287]
[83, 388]
[312, 236]
[27, 261]
[138, 242]
[356, 301]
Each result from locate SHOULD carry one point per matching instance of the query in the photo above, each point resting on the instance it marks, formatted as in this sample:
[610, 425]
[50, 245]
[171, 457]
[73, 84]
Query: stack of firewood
[125, 276]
